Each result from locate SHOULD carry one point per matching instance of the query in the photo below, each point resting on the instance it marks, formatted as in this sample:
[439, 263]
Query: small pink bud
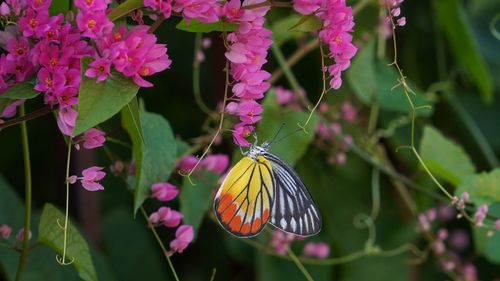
[423, 223]
[439, 247]
[72, 179]
[20, 235]
[340, 158]
[465, 196]
[4, 9]
[206, 43]
[336, 128]
[497, 224]
[164, 191]
[459, 239]
[323, 107]
[402, 21]
[183, 237]
[319, 250]
[232, 108]
[216, 163]
[93, 138]
[431, 214]
[442, 234]
[200, 57]
[77, 146]
[396, 12]
[5, 231]
[187, 163]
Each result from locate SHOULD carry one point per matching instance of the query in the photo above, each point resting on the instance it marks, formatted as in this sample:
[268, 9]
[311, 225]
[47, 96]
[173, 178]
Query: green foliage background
[446, 41]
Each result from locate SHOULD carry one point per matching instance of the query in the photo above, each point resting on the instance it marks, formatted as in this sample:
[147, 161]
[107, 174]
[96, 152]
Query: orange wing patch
[243, 202]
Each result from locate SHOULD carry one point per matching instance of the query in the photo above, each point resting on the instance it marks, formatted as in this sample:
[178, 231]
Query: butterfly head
[257, 150]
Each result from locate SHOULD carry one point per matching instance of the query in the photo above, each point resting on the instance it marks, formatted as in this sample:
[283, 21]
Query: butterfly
[261, 188]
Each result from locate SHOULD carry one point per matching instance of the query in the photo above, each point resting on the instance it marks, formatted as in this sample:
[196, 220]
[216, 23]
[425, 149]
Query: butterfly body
[261, 189]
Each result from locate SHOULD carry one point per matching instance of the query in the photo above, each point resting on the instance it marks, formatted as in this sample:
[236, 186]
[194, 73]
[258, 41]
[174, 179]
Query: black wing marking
[293, 210]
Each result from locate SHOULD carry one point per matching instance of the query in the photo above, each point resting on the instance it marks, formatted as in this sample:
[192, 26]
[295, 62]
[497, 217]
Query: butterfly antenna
[288, 135]
[277, 133]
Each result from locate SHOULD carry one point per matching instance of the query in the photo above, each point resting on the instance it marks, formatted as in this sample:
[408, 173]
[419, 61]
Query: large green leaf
[274, 116]
[445, 158]
[485, 244]
[281, 29]
[22, 91]
[197, 26]
[482, 188]
[125, 8]
[134, 255]
[154, 157]
[451, 17]
[309, 23]
[97, 102]
[374, 80]
[59, 6]
[196, 199]
[52, 235]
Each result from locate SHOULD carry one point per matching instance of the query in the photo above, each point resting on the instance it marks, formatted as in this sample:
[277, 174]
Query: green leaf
[125, 8]
[52, 235]
[131, 121]
[97, 102]
[196, 199]
[23, 91]
[155, 157]
[451, 17]
[309, 23]
[361, 74]
[373, 80]
[445, 158]
[197, 26]
[485, 244]
[59, 6]
[281, 29]
[482, 188]
[274, 116]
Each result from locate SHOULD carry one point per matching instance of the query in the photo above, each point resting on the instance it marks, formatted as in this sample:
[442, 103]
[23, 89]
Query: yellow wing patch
[243, 202]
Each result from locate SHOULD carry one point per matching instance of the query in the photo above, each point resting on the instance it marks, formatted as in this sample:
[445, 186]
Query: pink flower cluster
[281, 241]
[51, 48]
[215, 163]
[90, 178]
[395, 10]
[6, 230]
[166, 216]
[248, 47]
[338, 24]
[332, 132]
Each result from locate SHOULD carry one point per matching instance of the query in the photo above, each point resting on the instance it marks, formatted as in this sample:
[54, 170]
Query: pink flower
[100, 68]
[249, 111]
[32, 21]
[4, 9]
[18, 48]
[232, 10]
[49, 82]
[163, 7]
[66, 120]
[183, 236]
[280, 241]
[20, 235]
[93, 138]
[240, 132]
[11, 109]
[93, 24]
[459, 239]
[481, 213]
[187, 163]
[72, 179]
[166, 216]
[349, 112]
[164, 191]
[216, 163]
[319, 250]
[92, 5]
[91, 177]
[306, 7]
[202, 10]
[5, 231]
[284, 96]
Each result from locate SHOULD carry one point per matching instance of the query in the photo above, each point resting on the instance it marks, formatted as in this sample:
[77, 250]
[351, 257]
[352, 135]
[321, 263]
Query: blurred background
[449, 52]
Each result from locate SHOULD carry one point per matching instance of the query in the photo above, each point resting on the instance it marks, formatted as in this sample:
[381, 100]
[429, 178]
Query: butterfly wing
[243, 203]
[294, 210]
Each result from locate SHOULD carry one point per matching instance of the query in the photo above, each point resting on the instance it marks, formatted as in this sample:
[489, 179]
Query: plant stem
[35, 114]
[196, 75]
[165, 252]
[27, 203]
[301, 267]
[62, 261]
